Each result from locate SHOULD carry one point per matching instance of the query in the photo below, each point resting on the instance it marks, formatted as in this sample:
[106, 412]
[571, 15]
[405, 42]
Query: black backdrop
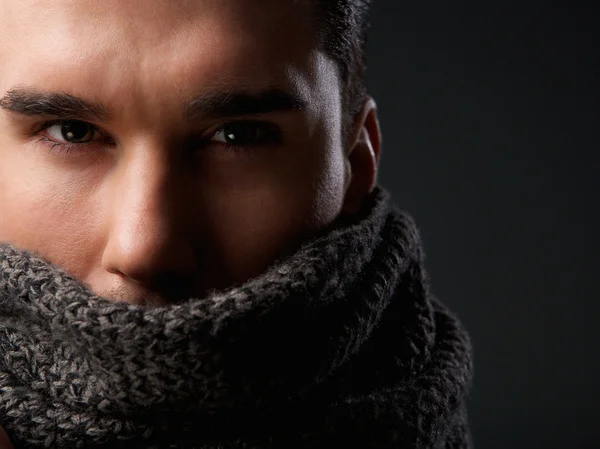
[490, 119]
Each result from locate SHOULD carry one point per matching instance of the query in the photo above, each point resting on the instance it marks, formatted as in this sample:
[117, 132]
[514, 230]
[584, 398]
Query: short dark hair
[343, 26]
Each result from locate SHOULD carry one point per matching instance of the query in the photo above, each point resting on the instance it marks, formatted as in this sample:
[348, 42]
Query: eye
[247, 133]
[71, 131]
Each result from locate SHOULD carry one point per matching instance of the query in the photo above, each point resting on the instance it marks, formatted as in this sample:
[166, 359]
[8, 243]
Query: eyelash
[60, 148]
[273, 136]
[57, 147]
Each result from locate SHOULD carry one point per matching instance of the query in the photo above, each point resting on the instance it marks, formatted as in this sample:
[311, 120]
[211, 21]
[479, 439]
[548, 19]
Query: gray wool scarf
[341, 344]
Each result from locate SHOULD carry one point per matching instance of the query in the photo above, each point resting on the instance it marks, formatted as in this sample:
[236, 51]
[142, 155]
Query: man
[196, 253]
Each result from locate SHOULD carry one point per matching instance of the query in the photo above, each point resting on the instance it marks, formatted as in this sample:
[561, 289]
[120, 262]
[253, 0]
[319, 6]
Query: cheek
[256, 218]
[44, 213]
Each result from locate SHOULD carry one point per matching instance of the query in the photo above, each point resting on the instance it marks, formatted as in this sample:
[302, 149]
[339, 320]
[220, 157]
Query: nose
[148, 242]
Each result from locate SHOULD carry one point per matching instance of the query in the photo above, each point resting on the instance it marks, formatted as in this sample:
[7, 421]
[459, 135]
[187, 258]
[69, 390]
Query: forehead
[151, 17]
[128, 47]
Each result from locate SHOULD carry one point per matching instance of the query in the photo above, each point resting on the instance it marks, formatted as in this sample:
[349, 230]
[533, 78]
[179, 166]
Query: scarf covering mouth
[341, 344]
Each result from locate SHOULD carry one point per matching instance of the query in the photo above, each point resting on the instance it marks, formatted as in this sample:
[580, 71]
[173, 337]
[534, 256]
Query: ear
[362, 157]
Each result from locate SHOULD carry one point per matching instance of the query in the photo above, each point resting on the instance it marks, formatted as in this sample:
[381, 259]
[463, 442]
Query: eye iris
[75, 131]
[242, 133]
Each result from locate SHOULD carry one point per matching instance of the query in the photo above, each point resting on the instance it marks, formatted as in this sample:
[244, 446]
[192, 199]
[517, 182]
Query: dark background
[490, 115]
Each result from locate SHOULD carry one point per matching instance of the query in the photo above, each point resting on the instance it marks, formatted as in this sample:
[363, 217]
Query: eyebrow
[234, 104]
[36, 103]
[32, 102]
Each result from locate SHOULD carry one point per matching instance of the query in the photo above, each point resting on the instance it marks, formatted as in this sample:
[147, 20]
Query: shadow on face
[158, 149]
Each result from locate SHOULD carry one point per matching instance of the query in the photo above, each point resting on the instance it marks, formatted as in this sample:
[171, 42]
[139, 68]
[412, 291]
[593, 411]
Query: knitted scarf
[339, 345]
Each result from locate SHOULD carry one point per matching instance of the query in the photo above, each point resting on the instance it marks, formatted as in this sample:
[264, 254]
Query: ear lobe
[362, 159]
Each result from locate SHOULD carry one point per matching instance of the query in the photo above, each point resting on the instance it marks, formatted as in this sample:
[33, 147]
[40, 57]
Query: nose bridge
[144, 199]
[145, 236]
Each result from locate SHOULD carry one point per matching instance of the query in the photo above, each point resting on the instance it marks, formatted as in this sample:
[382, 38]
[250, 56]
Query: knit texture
[341, 344]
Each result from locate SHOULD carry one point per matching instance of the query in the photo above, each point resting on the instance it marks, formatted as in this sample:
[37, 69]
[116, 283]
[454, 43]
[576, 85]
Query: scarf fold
[341, 344]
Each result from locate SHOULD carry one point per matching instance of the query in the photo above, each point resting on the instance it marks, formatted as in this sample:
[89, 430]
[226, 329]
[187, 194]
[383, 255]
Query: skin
[4, 441]
[143, 206]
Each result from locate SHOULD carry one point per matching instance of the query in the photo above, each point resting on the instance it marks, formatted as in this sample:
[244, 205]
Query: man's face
[211, 144]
